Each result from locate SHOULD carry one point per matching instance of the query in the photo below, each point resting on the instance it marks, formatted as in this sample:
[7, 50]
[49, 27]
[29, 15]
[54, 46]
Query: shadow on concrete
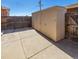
[15, 30]
[68, 46]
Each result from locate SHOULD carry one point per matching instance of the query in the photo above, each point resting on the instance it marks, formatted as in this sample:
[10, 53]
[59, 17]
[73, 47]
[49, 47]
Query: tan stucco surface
[29, 45]
[50, 22]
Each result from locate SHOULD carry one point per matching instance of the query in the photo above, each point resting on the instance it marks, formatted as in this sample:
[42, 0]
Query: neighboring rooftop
[72, 5]
[3, 7]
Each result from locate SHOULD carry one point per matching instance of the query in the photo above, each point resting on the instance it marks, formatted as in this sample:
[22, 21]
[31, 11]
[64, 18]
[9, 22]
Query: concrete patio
[27, 43]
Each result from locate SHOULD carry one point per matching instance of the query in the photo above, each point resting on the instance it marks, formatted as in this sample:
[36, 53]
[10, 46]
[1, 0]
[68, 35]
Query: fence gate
[71, 26]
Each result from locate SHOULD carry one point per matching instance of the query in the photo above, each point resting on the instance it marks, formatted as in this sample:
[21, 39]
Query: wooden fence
[71, 23]
[13, 22]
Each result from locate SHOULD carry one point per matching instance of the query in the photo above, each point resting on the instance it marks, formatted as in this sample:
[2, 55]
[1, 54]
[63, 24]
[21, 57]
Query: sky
[27, 7]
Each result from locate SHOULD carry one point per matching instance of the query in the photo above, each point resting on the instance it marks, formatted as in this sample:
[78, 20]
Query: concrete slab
[3, 37]
[9, 37]
[25, 34]
[12, 50]
[7, 31]
[51, 52]
[36, 46]
[33, 44]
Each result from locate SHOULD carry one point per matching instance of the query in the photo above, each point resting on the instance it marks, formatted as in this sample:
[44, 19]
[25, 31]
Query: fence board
[13, 22]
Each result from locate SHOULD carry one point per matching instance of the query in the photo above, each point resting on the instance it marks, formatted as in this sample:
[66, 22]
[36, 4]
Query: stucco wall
[4, 12]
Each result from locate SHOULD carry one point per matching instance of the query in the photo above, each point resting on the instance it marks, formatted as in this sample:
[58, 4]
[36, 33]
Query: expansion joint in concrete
[39, 51]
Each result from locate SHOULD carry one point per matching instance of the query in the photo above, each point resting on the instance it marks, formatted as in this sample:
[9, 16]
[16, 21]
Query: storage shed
[50, 22]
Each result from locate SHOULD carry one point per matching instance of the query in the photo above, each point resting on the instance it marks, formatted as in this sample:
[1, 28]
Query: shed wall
[50, 22]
